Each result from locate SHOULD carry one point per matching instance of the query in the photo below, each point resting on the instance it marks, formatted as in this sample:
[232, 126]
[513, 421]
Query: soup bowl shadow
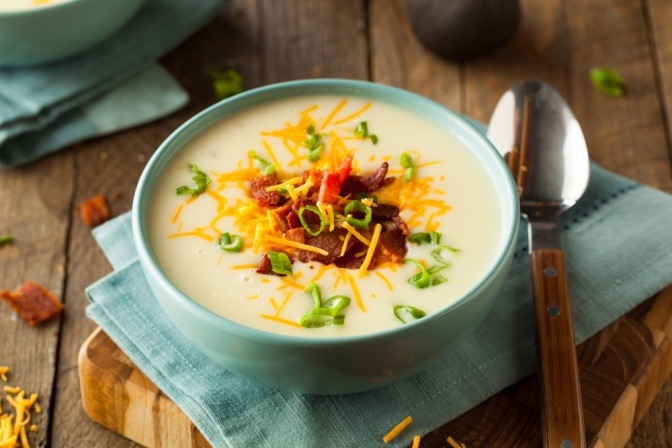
[47, 33]
[316, 365]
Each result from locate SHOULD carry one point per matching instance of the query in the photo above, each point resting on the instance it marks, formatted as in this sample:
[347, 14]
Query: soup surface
[18, 5]
[446, 205]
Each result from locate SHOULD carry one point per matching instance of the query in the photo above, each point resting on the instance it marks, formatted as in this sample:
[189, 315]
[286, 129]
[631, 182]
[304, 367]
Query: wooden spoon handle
[558, 371]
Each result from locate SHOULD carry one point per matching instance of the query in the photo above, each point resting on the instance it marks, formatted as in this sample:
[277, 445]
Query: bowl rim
[366, 89]
[36, 9]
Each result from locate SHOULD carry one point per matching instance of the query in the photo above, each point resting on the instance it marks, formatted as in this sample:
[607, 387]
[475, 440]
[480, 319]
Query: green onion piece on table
[409, 310]
[226, 83]
[230, 243]
[280, 263]
[608, 81]
[358, 206]
[407, 162]
[202, 180]
[6, 239]
[316, 210]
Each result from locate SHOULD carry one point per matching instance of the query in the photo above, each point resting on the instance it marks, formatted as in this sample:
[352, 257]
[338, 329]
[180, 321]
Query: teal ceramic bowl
[46, 33]
[337, 365]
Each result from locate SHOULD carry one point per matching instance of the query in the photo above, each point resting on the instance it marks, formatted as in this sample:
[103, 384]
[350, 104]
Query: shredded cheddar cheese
[353, 231]
[372, 248]
[416, 442]
[290, 243]
[454, 444]
[13, 424]
[397, 429]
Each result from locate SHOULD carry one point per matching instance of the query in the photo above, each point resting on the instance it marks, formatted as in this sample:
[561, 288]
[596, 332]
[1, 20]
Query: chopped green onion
[226, 83]
[336, 304]
[425, 237]
[412, 311]
[407, 162]
[438, 280]
[264, 165]
[326, 313]
[437, 253]
[362, 130]
[439, 267]
[421, 279]
[316, 210]
[280, 263]
[314, 291]
[230, 243]
[608, 81]
[314, 144]
[202, 180]
[6, 239]
[358, 206]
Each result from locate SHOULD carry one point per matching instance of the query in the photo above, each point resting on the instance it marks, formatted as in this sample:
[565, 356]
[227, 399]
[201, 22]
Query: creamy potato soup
[18, 5]
[401, 211]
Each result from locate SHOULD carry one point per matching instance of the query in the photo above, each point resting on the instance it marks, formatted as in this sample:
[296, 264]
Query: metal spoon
[541, 141]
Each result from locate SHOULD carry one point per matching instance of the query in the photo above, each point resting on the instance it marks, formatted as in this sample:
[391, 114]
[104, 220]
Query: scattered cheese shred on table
[416, 442]
[397, 429]
[13, 425]
[454, 444]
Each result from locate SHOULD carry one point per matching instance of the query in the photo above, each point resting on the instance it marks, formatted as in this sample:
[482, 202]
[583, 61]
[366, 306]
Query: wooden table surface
[268, 41]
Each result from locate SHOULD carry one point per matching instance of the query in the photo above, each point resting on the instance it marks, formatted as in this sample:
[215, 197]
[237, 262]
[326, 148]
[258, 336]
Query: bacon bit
[94, 211]
[372, 182]
[259, 193]
[401, 225]
[393, 245]
[330, 187]
[33, 303]
[296, 235]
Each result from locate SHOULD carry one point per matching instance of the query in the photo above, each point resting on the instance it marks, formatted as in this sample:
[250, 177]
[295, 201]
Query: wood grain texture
[268, 41]
[35, 204]
[557, 364]
[619, 367]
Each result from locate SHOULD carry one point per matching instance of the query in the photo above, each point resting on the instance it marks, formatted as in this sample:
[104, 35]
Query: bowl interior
[487, 156]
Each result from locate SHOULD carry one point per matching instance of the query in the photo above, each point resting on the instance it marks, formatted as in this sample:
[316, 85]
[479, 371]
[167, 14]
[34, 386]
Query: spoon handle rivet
[550, 272]
[553, 311]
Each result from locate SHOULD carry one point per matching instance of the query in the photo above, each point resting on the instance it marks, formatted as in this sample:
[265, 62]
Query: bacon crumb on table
[94, 211]
[32, 302]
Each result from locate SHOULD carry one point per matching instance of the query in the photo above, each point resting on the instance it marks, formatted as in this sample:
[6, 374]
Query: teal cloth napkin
[618, 251]
[45, 108]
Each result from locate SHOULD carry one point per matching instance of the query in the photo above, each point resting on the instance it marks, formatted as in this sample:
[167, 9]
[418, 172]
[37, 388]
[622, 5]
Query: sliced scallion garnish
[438, 252]
[407, 162]
[226, 83]
[314, 209]
[425, 237]
[265, 166]
[421, 279]
[6, 239]
[326, 313]
[358, 206]
[314, 144]
[230, 243]
[362, 130]
[202, 180]
[409, 310]
[280, 263]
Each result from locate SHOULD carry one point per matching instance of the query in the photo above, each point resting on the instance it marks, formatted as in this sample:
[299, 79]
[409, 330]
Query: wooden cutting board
[622, 368]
